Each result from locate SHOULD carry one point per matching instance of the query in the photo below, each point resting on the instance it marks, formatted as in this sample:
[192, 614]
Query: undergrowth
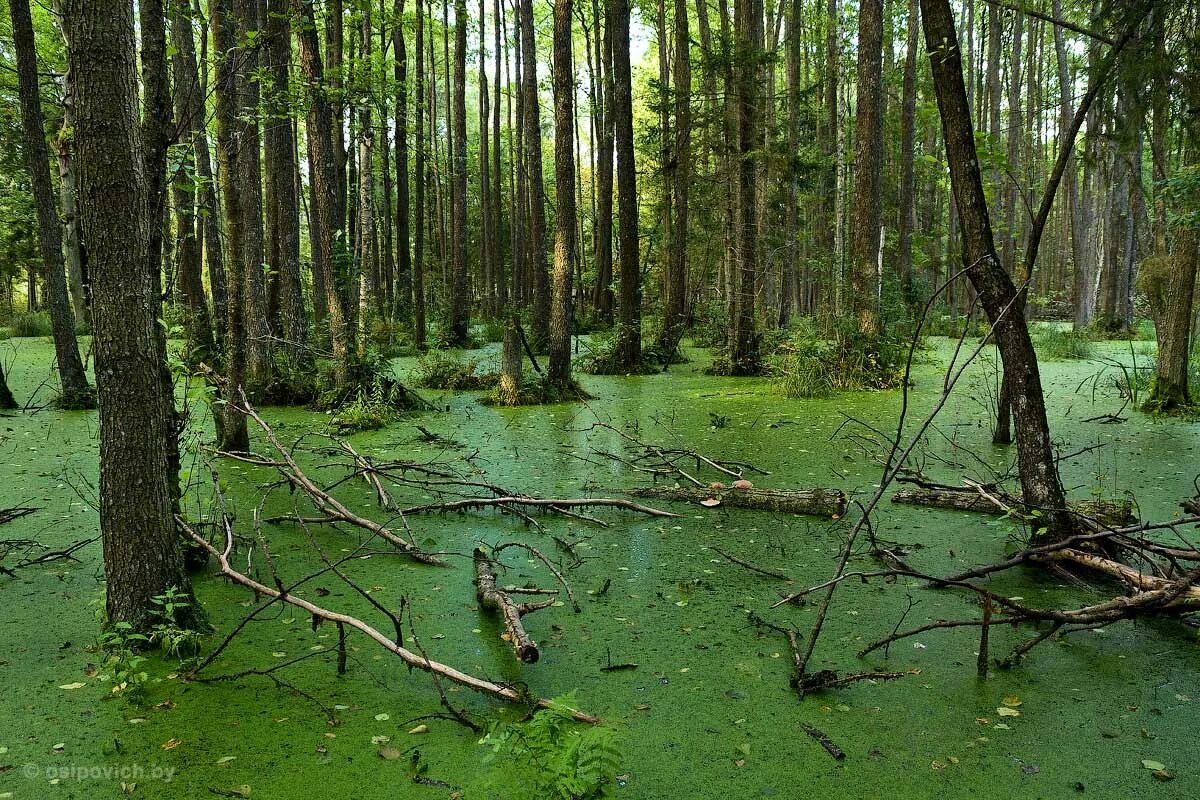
[1057, 343]
[442, 370]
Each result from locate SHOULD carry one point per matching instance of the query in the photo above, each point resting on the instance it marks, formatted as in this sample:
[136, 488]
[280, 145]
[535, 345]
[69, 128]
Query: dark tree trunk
[603, 296]
[418, 269]
[460, 305]
[189, 111]
[1083, 290]
[564, 197]
[142, 552]
[628, 350]
[322, 163]
[289, 321]
[675, 301]
[868, 170]
[744, 358]
[7, 401]
[1040, 483]
[403, 291]
[908, 130]
[76, 392]
[537, 190]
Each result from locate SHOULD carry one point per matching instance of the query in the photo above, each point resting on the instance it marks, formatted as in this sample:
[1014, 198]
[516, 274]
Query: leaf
[171, 744]
[1008, 712]
[225, 760]
[1154, 766]
[419, 729]
[382, 717]
[389, 753]
[1012, 701]
[72, 686]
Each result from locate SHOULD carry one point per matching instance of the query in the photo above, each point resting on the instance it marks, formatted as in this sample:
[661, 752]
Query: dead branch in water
[829, 503]
[492, 597]
[281, 594]
[663, 461]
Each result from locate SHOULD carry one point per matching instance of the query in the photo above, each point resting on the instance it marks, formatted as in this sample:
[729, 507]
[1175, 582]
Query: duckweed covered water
[708, 711]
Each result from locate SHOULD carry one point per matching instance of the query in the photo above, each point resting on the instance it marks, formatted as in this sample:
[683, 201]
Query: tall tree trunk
[67, 192]
[908, 131]
[76, 391]
[497, 247]
[419, 211]
[142, 552]
[564, 197]
[744, 357]
[536, 187]
[290, 325]
[322, 164]
[460, 303]
[602, 109]
[868, 170]
[675, 305]
[628, 348]
[403, 231]
[367, 283]
[485, 277]
[1083, 282]
[1037, 468]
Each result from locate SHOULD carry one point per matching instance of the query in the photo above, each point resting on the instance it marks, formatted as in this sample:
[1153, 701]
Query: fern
[551, 756]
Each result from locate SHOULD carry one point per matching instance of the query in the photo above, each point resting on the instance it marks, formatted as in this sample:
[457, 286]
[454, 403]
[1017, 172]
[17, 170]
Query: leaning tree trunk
[1040, 483]
[142, 553]
[76, 392]
[564, 197]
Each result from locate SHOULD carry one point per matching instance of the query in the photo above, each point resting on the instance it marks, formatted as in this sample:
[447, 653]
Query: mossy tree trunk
[564, 197]
[142, 551]
[76, 391]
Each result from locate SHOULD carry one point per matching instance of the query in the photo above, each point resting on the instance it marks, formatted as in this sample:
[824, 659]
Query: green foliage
[601, 358]
[814, 361]
[30, 324]
[552, 756]
[535, 391]
[388, 337]
[440, 369]
[370, 410]
[1057, 343]
[122, 663]
[171, 633]
[710, 326]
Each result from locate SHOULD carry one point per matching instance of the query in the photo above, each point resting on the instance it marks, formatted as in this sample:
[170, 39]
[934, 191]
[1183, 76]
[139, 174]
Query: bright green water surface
[708, 712]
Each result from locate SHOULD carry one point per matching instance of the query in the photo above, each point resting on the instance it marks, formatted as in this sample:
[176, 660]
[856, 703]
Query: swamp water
[708, 712]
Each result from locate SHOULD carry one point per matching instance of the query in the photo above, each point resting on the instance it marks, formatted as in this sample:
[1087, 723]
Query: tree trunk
[77, 393]
[418, 269]
[7, 401]
[675, 305]
[628, 348]
[603, 108]
[460, 303]
[868, 170]
[908, 131]
[1083, 282]
[142, 553]
[564, 197]
[67, 192]
[403, 292]
[290, 322]
[744, 358]
[1040, 483]
[537, 191]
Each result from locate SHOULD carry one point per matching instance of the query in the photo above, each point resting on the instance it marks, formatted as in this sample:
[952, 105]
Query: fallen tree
[992, 499]
[500, 600]
[812, 502]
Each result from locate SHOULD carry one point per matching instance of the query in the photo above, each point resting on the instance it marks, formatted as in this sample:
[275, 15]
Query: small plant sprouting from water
[552, 756]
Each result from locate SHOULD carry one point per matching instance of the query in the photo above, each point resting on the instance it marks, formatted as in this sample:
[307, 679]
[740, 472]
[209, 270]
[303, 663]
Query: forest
[599, 398]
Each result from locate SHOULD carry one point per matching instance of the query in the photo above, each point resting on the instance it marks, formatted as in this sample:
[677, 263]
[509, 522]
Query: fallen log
[553, 504]
[812, 502]
[990, 500]
[497, 599]
[512, 694]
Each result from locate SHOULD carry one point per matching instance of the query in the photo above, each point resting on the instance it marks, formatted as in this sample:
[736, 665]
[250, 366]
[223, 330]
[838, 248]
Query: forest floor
[708, 711]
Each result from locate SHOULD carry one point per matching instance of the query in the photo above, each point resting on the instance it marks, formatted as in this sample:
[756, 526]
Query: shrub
[30, 324]
[1063, 344]
[535, 391]
[442, 370]
[812, 362]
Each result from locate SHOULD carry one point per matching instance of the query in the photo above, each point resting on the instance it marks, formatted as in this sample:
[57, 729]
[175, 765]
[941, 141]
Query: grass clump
[814, 361]
[1064, 344]
[442, 370]
[30, 324]
[537, 391]
[601, 358]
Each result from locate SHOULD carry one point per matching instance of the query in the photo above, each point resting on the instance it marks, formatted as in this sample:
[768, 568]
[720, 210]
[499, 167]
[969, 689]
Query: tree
[564, 198]
[418, 270]
[675, 300]
[76, 391]
[1041, 487]
[460, 306]
[142, 551]
[908, 125]
[536, 241]
[627, 353]
[403, 293]
[7, 401]
[868, 170]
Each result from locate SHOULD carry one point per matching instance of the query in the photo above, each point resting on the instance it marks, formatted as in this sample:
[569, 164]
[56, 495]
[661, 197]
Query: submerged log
[813, 502]
[989, 500]
[497, 599]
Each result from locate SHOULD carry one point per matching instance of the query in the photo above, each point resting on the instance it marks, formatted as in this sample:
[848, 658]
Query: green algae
[708, 711]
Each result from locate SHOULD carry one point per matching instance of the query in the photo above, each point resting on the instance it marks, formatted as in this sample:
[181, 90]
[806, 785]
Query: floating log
[497, 599]
[989, 500]
[813, 502]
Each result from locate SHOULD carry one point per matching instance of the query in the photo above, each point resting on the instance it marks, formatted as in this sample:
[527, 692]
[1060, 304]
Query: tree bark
[77, 393]
[868, 170]
[403, 292]
[460, 302]
[1040, 483]
[908, 130]
[142, 552]
[419, 211]
[628, 348]
[536, 241]
[564, 197]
